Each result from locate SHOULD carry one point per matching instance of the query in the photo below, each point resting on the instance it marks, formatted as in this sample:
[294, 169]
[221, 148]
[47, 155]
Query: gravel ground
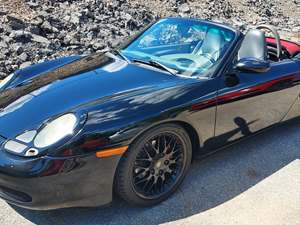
[36, 30]
[256, 181]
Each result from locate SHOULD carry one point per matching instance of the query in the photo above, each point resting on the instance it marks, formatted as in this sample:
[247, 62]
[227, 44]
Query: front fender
[118, 122]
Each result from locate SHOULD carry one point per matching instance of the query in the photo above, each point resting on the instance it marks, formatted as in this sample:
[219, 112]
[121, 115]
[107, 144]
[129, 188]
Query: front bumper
[49, 183]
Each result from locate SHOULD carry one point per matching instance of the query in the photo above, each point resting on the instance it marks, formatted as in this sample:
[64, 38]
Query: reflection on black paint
[242, 126]
[74, 68]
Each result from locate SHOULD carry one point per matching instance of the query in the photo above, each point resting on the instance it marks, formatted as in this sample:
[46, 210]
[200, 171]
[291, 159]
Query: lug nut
[161, 172]
[167, 162]
[152, 171]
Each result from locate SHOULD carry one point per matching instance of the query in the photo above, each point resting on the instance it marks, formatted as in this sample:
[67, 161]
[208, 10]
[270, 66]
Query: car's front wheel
[154, 166]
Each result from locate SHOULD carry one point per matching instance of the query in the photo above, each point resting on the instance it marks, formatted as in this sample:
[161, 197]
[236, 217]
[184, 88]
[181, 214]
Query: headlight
[31, 143]
[6, 80]
[56, 130]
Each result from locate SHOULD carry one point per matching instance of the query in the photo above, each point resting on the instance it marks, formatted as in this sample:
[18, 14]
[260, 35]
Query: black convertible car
[75, 130]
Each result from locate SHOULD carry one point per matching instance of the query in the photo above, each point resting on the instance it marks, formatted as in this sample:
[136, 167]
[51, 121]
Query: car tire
[162, 166]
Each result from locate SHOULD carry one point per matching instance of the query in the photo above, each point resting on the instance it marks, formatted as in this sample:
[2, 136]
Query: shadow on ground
[211, 182]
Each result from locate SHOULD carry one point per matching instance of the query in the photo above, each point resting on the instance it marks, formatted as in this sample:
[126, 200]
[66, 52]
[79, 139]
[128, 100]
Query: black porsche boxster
[75, 130]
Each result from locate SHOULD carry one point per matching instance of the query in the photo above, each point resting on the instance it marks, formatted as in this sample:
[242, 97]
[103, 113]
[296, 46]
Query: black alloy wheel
[154, 166]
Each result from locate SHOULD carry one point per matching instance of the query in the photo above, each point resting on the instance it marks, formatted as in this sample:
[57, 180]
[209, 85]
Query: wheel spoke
[168, 147]
[155, 188]
[140, 174]
[147, 182]
[158, 145]
[163, 177]
[142, 180]
[162, 187]
[153, 183]
[174, 161]
[141, 167]
[144, 159]
[174, 145]
[168, 170]
[151, 187]
[146, 151]
[152, 148]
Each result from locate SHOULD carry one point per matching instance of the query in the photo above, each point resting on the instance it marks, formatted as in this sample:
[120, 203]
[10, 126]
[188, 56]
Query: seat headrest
[254, 45]
[213, 43]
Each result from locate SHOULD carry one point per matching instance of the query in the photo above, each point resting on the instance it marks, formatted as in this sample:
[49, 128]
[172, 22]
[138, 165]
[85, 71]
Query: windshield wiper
[157, 65]
[119, 53]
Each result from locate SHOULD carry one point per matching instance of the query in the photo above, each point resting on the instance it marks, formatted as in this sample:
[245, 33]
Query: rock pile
[65, 27]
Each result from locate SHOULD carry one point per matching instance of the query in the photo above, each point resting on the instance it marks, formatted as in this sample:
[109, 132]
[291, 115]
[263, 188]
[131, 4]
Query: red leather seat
[291, 47]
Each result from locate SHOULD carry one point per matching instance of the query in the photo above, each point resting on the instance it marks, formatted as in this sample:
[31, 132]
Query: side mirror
[252, 65]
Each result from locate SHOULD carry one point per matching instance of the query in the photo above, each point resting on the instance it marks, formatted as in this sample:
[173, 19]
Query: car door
[250, 101]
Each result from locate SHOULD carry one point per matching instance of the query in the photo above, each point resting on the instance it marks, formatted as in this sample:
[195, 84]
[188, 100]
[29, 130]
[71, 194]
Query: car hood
[75, 84]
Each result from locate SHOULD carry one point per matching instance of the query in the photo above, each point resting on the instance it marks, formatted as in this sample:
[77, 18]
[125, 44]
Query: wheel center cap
[158, 164]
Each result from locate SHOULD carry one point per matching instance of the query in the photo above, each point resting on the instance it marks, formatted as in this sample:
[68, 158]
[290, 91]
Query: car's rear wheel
[154, 166]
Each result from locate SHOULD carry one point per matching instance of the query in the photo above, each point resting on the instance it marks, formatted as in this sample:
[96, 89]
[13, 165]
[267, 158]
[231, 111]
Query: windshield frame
[211, 72]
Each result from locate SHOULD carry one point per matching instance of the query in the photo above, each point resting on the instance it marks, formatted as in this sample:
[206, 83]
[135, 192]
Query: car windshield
[189, 47]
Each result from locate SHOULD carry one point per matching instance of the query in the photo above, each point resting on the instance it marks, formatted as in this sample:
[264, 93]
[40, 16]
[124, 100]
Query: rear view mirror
[252, 65]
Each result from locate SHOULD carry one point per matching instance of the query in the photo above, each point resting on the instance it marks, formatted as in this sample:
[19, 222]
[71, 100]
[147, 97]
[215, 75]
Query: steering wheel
[190, 61]
[185, 61]
[276, 35]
